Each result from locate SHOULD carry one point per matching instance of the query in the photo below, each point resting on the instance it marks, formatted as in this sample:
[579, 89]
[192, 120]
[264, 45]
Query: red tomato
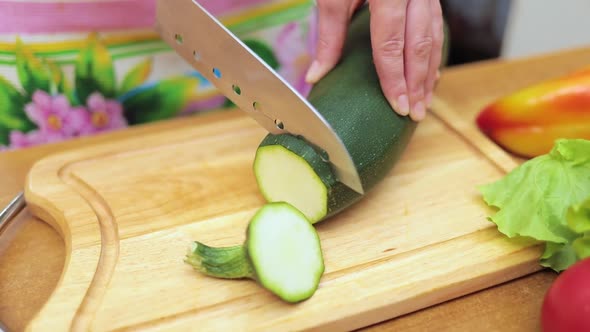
[566, 306]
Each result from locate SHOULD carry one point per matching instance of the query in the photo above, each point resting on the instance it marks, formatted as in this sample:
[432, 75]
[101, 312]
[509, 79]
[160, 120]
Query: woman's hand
[406, 37]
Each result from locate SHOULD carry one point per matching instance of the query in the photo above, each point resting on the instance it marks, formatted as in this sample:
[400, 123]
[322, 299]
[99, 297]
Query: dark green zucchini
[352, 102]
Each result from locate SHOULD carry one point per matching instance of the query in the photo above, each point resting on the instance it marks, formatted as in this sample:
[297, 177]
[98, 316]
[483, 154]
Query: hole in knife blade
[217, 72]
[178, 38]
[256, 106]
[196, 56]
[236, 89]
[279, 124]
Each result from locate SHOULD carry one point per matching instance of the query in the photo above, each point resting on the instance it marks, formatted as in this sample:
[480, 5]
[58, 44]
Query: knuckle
[437, 30]
[328, 50]
[392, 48]
[423, 48]
[438, 33]
[323, 43]
[417, 92]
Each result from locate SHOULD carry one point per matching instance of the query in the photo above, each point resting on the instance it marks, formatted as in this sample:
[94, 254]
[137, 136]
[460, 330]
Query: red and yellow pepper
[528, 122]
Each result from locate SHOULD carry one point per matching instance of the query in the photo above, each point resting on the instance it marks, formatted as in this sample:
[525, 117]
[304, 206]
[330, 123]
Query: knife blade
[251, 84]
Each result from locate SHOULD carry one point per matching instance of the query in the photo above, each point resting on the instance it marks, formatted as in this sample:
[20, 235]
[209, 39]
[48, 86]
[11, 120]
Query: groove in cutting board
[109, 250]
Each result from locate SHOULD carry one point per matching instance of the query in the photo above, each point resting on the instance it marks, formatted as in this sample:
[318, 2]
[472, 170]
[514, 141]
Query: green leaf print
[264, 51]
[94, 70]
[160, 101]
[32, 72]
[136, 76]
[58, 83]
[12, 114]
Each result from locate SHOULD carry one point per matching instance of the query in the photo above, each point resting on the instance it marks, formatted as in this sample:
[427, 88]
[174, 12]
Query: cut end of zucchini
[284, 176]
[285, 252]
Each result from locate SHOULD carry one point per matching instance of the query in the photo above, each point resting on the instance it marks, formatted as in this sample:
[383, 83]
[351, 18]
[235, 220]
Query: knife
[244, 78]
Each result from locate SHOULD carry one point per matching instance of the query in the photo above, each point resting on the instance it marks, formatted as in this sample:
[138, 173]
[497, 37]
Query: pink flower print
[54, 116]
[295, 51]
[23, 140]
[19, 140]
[103, 114]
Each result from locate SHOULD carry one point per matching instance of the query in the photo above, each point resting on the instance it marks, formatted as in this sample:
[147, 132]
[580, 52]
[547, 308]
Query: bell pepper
[528, 121]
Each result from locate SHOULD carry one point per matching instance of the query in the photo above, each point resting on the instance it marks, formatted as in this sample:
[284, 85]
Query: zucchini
[350, 98]
[282, 253]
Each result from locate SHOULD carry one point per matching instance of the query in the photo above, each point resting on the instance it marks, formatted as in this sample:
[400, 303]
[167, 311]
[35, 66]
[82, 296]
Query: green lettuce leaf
[578, 218]
[558, 256]
[541, 199]
[561, 256]
[534, 198]
[581, 246]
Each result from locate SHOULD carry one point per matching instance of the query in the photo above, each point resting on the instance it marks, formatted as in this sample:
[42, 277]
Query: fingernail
[429, 99]
[418, 111]
[402, 105]
[313, 73]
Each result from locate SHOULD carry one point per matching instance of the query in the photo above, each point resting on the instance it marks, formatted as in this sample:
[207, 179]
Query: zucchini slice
[287, 169]
[282, 252]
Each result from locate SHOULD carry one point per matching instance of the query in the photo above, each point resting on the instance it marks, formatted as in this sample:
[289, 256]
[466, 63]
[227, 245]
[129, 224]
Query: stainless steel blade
[11, 210]
[248, 81]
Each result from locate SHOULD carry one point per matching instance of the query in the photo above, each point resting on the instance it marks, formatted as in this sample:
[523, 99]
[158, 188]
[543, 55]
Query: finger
[436, 55]
[333, 23]
[417, 54]
[388, 25]
[356, 4]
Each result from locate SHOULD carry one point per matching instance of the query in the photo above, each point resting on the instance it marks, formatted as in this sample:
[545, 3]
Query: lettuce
[579, 220]
[547, 198]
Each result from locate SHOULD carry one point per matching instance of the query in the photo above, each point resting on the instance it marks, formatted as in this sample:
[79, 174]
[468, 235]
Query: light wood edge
[70, 291]
[475, 138]
[370, 299]
[93, 223]
[519, 259]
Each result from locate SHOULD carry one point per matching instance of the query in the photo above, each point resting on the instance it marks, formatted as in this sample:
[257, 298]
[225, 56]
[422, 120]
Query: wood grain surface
[33, 255]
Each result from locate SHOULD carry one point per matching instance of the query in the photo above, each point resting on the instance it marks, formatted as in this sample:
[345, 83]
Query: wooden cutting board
[129, 210]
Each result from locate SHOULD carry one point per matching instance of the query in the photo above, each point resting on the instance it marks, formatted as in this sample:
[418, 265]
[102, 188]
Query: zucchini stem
[221, 262]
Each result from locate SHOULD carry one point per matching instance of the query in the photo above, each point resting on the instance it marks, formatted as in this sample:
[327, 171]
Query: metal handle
[3, 328]
[13, 208]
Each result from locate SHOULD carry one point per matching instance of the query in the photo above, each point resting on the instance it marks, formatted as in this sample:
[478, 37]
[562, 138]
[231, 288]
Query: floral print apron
[77, 68]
